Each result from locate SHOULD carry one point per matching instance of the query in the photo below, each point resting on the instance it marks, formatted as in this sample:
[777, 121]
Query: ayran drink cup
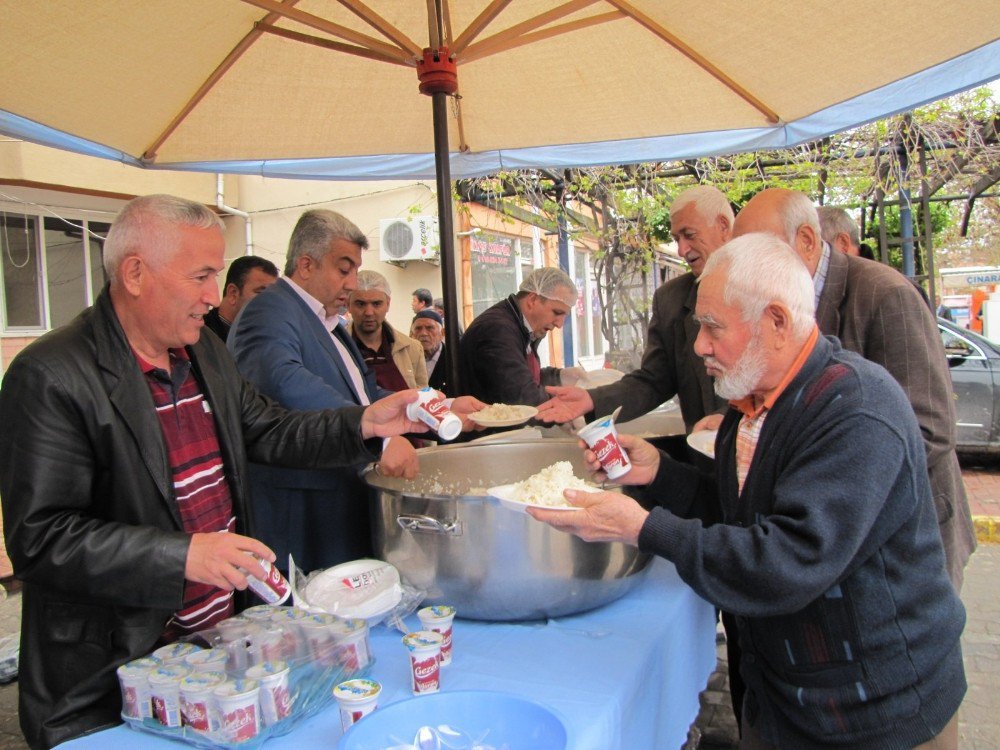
[238, 704]
[164, 689]
[174, 652]
[356, 698]
[425, 666]
[353, 650]
[602, 437]
[207, 660]
[196, 700]
[431, 408]
[274, 589]
[439, 619]
[320, 634]
[260, 612]
[275, 699]
[134, 680]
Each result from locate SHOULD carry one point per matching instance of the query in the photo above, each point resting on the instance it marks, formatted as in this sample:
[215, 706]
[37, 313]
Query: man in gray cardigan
[817, 529]
[875, 311]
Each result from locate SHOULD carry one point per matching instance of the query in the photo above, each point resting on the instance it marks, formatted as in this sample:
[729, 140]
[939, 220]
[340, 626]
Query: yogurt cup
[238, 704]
[602, 437]
[207, 660]
[320, 636]
[274, 589]
[260, 613]
[197, 709]
[134, 680]
[353, 650]
[357, 699]
[425, 665]
[275, 699]
[164, 689]
[439, 619]
[431, 409]
[174, 652]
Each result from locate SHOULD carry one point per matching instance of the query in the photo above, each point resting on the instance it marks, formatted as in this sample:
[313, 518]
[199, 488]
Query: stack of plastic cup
[439, 619]
[356, 698]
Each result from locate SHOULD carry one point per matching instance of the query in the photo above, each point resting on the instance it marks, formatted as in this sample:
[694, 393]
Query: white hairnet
[551, 283]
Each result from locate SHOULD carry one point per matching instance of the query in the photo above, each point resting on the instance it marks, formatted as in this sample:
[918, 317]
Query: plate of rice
[503, 415]
[542, 490]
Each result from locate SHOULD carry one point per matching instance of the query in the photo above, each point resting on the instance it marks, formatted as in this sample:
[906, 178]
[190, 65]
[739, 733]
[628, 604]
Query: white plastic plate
[508, 498]
[703, 441]
[524, 413]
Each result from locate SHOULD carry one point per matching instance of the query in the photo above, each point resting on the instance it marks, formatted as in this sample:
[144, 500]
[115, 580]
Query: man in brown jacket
[875, 311]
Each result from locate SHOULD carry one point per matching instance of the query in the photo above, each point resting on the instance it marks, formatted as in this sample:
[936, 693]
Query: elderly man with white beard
[817, 529]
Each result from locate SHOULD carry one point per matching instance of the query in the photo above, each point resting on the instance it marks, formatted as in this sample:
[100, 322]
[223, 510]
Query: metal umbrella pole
[438, 76]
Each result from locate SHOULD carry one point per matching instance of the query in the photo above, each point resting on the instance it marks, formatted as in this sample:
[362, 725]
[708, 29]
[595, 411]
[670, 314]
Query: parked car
[975, 376]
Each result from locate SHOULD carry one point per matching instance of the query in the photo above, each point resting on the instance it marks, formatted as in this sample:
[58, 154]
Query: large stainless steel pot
[445, 535]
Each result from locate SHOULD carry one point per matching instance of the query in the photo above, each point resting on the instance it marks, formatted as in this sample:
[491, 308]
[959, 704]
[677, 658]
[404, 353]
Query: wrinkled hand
[710, 422]
[223, 559]
[571, 375]
[567, 403]
[387, 416]
[643, 456]
[605, 517]
[463, 406]
[399, 459]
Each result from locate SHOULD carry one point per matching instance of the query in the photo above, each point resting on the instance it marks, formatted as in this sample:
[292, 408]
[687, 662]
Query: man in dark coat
[122, 432]
[498, 356]
[428, 328]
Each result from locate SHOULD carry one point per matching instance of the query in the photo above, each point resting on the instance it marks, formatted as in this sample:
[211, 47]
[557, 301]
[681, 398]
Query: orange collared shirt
[748, 431]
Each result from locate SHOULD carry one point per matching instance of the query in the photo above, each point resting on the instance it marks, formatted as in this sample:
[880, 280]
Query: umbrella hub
[437, 72]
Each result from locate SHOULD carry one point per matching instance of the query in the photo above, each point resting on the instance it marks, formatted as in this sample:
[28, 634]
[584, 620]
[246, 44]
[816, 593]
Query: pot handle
[430, 525]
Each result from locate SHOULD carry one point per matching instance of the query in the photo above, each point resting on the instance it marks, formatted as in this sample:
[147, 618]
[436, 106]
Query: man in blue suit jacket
[288, 343]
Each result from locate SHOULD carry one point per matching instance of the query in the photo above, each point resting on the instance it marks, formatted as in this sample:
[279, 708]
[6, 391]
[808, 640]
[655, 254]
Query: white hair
[797, 209]
[834, 221]
[762, 269]
[708, 200]
[145, 227]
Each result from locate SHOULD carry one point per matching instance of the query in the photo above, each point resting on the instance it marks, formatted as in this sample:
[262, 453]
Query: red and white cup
[439, 619]
[260, 612]
[165, 693]
[602, 437]
[425, 660]
[320, 635]
[431, 408]
[238, 704]
[352, 646]
[275, 698]
[274, 589]
[357, 699]
[197, 705]
[207, 660]
[174, 652]
[134, 680]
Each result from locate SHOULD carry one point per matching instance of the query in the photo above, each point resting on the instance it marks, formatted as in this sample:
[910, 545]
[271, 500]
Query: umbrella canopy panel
[185, 82]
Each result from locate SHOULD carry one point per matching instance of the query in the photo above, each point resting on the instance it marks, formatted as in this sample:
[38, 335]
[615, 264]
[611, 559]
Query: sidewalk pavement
[715, 727]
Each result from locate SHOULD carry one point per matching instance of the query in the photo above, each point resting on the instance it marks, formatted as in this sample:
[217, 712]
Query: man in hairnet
[498, 354]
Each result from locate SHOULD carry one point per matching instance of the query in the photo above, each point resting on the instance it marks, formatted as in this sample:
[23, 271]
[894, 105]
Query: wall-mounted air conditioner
[412, 238]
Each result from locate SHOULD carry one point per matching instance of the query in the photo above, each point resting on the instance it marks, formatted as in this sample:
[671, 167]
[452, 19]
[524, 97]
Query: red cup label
[426, 674]
[610, 453]
[241, 725]
[195, 714]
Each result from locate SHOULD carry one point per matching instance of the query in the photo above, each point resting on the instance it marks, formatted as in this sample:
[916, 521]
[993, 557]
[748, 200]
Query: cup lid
[236, 688]
[436, 612]
[423, 640]
[357, 690]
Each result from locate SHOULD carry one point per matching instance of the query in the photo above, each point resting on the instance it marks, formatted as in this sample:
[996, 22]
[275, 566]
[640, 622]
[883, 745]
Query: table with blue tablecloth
[625, 676]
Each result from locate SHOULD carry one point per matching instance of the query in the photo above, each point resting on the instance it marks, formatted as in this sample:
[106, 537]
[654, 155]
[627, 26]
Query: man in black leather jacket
[90, 507]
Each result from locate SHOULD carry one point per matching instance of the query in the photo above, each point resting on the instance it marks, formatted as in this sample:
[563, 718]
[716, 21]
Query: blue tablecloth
[624, 677]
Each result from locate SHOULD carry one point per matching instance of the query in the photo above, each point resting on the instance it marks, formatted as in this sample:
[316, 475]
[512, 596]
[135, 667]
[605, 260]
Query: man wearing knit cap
[428, 328]
[498, 355]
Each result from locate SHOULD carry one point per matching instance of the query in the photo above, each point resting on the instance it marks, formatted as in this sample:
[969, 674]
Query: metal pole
[439, 101]
[569, 356]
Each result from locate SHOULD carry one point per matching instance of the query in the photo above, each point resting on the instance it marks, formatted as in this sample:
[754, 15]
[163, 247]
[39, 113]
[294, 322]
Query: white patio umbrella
[328, 88]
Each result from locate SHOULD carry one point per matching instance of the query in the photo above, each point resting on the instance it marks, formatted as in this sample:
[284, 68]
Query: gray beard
[739, 381]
